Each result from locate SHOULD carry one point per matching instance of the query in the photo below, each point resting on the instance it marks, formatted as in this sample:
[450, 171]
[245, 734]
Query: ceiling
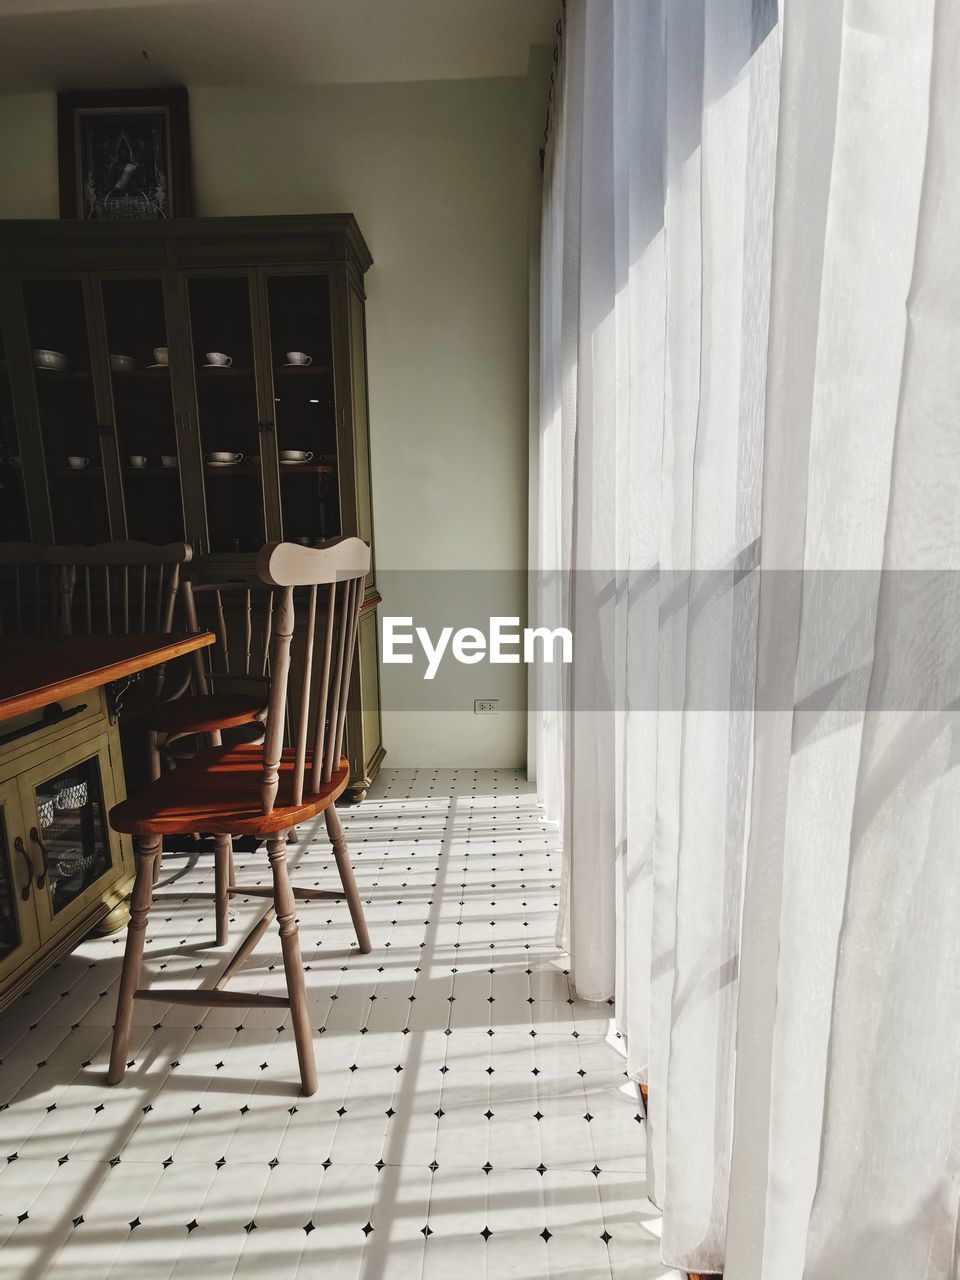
[100, 44]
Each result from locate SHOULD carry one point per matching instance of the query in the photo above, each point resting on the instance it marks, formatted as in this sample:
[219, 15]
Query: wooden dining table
[63, 870]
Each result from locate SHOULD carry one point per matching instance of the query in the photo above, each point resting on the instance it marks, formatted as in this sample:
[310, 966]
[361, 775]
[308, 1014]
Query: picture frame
[124, 154]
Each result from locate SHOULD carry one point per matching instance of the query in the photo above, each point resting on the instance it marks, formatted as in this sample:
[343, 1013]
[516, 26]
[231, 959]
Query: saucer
[159, 366]
[219, 464]
[216, 366]
[294, 462]
[295, 364]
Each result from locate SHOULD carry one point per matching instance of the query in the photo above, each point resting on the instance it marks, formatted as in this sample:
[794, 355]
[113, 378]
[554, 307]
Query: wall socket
[486, 706]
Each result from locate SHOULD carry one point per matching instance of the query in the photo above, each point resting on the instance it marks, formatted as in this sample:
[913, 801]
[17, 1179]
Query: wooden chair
[263, 791]
[127, 587]
[29, 590]
[231, 678]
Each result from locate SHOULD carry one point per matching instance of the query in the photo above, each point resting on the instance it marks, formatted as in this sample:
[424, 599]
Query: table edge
[83, 682]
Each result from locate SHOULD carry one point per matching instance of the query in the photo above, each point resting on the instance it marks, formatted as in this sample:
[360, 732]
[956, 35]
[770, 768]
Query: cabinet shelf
[241, 469]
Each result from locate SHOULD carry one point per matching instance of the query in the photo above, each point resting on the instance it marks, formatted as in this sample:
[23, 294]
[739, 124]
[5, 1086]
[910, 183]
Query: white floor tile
[472, 1117]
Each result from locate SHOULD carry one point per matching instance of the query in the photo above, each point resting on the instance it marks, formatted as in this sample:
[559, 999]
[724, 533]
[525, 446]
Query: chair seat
[218, 793]
[203, 713]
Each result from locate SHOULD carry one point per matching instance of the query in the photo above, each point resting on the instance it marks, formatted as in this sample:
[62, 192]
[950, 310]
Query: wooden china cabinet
[132, 353]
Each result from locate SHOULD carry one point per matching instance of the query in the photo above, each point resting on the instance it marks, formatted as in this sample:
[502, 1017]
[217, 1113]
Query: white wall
[28, 156]
[437, 174]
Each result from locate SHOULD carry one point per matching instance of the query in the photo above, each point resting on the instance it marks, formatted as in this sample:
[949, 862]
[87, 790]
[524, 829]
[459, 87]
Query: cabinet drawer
[23, 736]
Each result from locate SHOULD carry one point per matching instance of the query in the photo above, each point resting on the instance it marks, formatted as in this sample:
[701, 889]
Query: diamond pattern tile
[473, 1117]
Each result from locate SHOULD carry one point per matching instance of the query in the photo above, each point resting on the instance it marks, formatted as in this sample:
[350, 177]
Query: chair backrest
[240, 614]
[29, 592]
[333, 576]
[128, 587]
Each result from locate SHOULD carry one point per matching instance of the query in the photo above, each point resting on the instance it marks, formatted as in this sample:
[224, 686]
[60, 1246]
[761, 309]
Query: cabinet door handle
[21, 848]
[35, 837]
[265, 426]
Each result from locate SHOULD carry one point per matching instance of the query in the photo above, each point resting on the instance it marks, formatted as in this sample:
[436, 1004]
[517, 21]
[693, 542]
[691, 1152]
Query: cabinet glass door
[143, 408]
[222, 346]
[18, 913]
[14, 525]
[57, 325]
[65, 808]
[301, 348]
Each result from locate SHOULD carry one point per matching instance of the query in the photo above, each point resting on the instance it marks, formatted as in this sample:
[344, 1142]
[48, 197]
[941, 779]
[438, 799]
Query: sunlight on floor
[472, 1119]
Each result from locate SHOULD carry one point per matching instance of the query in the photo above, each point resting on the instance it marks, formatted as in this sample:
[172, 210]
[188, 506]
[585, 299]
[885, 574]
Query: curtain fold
[748, 512]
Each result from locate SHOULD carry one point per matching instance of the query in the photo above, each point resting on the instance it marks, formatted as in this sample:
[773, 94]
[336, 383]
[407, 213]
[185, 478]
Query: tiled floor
[472, 1119]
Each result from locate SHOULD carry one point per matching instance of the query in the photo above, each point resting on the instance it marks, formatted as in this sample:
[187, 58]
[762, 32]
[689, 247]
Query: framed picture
[124, 155]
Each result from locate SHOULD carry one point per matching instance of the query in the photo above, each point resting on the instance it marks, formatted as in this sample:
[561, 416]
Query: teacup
[122, 364]
[137, 460]
[45, 359]
[218, 358]
[298, 357]
[295, 455]
[72, 796]
[161, 355]
[218, 455]
[77, 462]
[168, 459]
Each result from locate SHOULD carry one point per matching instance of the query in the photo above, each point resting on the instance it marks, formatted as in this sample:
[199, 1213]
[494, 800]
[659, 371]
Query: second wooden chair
[29, 590]
[263, 791]
[128, 587]
[231, 679]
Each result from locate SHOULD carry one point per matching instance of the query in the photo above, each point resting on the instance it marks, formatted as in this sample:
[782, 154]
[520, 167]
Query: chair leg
[292, 964]
[223, 880]
[147, 853]
[156, 768]
[339, 842]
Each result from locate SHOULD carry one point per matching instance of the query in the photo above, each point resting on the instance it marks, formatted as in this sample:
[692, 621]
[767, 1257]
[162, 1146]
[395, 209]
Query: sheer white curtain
[751, 367]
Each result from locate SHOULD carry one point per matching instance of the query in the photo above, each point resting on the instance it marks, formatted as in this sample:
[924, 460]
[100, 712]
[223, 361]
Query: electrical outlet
[486, 707]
